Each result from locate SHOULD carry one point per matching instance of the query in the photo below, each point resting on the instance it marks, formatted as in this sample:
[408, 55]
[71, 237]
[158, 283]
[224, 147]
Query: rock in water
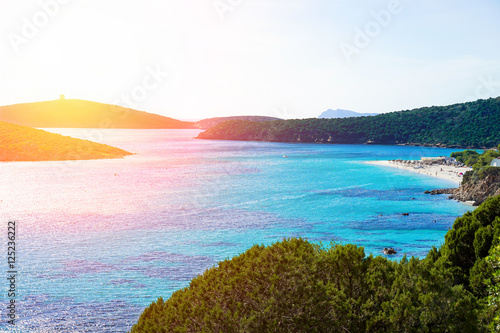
[389, 251]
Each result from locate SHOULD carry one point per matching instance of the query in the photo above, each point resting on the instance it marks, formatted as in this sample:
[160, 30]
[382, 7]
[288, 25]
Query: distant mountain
[469, 125]
[211, 122]
[75, 113]
[22, 143]
[343, 114]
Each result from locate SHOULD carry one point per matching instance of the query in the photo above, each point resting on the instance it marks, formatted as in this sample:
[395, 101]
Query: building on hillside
[495, 162]
[450, 160]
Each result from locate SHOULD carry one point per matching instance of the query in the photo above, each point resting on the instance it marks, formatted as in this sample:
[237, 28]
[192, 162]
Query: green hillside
[74, 113]
[469, 125]
[21, 143]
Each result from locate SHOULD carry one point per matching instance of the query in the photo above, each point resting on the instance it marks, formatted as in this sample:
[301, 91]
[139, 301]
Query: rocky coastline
[473, 190]
[473, 186]
[268, 136]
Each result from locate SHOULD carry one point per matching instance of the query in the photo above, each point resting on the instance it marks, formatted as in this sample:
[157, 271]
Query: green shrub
[296, 286]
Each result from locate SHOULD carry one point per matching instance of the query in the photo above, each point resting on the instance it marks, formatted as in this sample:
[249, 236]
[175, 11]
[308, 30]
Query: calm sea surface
[98, 241]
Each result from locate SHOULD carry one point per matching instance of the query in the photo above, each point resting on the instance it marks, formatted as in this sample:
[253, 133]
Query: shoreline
[437, 171]
[446, 172]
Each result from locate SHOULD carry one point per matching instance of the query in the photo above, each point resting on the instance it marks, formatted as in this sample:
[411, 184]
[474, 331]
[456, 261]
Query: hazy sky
[193, 59]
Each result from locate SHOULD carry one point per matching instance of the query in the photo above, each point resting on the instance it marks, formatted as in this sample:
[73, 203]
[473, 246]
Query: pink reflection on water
[77, 196]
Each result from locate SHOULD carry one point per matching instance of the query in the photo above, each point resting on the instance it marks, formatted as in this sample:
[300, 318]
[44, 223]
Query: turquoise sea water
[97, 241]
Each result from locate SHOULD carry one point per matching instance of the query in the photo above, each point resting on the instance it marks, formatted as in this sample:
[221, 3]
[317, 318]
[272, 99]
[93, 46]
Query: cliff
[476, 186]
[479, 186]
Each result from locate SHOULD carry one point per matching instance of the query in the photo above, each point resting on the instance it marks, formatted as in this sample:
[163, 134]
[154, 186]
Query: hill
[74, 113]
[21, 143]
[297, 286]
[468, 125]
[343, 114]
[211, 122]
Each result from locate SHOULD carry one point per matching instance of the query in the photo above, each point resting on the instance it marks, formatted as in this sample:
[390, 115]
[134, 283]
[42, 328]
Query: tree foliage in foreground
[297, 286]
[494, 288]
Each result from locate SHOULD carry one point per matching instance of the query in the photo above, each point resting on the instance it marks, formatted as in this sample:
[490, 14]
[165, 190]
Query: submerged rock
[389, 251]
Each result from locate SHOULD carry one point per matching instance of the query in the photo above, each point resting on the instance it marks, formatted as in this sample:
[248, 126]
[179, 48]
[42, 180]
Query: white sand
[438, 171]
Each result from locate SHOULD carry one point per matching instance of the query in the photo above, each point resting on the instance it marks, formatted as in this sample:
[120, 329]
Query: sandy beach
[439, 171]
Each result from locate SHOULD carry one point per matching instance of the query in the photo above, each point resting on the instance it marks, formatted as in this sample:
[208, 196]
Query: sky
[194, 59]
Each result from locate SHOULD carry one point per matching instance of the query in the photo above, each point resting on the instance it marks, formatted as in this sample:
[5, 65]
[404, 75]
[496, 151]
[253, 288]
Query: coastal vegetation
[21, 143]
[464, 125]
[494, 288]
[473, 159]
[297, 286]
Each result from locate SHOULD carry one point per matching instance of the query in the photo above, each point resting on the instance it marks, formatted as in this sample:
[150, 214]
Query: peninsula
[22, 143]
